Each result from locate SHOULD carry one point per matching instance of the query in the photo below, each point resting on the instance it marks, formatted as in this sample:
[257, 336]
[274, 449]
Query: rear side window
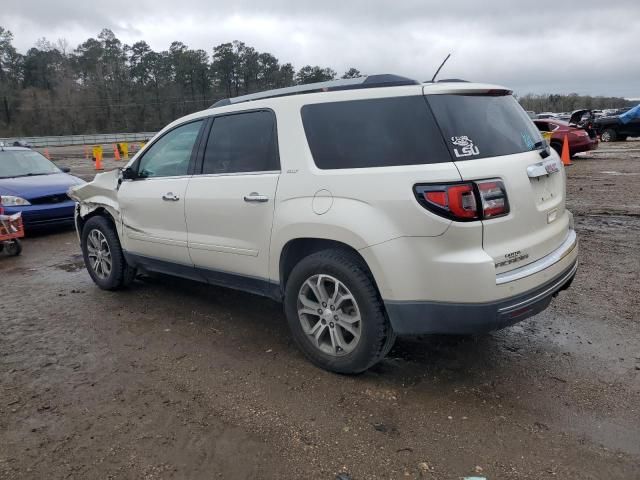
[373, 133]
[480, 126]
[243, 142]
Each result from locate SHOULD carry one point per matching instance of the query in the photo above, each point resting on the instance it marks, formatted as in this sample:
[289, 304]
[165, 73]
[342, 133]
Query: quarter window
[481, 126]
[243, 142]
[170, 155]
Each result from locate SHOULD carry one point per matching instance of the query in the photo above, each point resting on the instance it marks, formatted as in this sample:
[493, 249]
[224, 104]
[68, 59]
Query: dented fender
[102, 192]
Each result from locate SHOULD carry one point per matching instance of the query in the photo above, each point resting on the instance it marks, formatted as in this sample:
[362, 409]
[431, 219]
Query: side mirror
[129, 174]
[65, 169]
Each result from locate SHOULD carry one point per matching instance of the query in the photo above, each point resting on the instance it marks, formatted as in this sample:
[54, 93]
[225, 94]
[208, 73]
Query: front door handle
[256, 197]
[170, 197]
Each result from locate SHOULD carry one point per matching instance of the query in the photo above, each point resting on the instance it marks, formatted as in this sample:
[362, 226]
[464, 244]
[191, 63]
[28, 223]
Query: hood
[576, 116]
[38, 185]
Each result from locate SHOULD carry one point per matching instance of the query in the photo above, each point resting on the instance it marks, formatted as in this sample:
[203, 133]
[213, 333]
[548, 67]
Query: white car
[371, 207]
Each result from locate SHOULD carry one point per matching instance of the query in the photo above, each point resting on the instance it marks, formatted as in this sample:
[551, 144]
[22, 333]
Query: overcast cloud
[586, 46]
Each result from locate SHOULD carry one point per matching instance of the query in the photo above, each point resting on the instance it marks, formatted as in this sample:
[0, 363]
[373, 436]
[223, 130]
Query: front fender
[102, 192]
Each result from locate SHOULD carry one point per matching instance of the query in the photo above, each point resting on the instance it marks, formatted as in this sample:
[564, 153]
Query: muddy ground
[173, 379]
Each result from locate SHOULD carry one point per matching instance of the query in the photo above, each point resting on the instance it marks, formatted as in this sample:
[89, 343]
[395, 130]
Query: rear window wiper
[543, 147]
[539, 145]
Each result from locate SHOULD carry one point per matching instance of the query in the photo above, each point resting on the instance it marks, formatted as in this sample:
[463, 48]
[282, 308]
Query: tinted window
[244, 142]
[373, 133]
[479, 126]
[170, 155]
[544, 126]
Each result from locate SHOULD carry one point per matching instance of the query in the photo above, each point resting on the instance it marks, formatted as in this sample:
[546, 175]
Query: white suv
[370, 207]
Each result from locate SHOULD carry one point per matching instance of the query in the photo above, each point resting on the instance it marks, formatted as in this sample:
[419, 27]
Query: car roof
[557, 121]
[297, 101]
[8, 148]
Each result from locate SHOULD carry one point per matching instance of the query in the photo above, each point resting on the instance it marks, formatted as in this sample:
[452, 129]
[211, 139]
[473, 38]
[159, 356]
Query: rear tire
[609, 135]
[335, 313]
[103, 255]
[557, 146]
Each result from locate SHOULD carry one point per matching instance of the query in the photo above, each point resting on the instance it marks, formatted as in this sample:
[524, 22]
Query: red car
[580, 140]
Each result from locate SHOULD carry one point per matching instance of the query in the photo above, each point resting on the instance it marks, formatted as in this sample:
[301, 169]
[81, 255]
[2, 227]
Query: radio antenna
[440, 68]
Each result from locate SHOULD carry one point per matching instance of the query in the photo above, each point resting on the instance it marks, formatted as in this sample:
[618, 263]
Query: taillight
[465, 201]
[493, 197]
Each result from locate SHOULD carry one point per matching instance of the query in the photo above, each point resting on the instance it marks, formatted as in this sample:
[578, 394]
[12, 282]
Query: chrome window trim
[147, 179]
[545, 262]
[235, 174]
[199, 175]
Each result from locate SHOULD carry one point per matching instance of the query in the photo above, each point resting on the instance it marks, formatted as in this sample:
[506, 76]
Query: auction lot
[174, 379]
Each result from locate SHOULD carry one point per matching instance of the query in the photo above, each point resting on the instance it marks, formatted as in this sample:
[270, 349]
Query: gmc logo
[551, 167]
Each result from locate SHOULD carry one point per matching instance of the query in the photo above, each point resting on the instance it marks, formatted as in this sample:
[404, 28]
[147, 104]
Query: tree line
[105, 85]
[567, 103]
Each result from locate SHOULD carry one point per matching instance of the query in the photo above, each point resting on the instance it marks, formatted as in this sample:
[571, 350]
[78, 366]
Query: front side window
[379, 132]
[243, 142]
[170, 155]
[481, 126]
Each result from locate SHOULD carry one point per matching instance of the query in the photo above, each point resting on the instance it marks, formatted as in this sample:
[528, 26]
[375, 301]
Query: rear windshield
[480, 126]
[378, 132]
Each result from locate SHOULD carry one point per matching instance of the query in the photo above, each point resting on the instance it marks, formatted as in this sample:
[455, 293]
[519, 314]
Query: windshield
[21, 163]
[480, 126]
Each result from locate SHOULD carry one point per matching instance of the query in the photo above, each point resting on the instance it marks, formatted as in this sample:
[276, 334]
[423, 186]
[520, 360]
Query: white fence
[96, 139]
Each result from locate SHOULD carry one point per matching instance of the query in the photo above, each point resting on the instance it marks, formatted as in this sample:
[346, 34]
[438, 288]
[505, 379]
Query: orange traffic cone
[99, 161]
[46, 154]
[566, 157]
[116, 152]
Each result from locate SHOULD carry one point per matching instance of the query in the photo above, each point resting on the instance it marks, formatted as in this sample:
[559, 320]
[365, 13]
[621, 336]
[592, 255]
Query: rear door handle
[256, 197]
[170, 197]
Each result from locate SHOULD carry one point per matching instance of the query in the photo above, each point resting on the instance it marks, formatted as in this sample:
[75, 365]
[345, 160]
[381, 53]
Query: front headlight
[11, 201]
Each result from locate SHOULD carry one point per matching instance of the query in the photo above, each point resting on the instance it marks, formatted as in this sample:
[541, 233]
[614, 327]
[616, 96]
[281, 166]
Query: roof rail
[370, 81]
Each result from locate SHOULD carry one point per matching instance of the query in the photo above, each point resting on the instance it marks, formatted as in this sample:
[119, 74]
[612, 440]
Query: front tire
[335, 313]
[609, 135]
[103, 255]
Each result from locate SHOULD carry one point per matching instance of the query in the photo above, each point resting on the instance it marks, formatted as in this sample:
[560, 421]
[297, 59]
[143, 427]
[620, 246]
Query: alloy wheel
[99, 254]
[329, 315]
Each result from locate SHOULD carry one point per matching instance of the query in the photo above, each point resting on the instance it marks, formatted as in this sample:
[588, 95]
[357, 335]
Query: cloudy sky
[585, 46]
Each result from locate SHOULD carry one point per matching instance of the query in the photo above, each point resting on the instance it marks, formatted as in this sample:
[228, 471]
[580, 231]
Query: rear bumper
[584, 145]
[415, 318]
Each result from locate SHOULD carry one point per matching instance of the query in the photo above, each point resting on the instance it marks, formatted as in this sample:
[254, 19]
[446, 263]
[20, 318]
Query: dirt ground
[174, 379]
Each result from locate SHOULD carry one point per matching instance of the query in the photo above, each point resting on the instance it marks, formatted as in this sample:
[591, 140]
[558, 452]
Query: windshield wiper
[27, 175]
